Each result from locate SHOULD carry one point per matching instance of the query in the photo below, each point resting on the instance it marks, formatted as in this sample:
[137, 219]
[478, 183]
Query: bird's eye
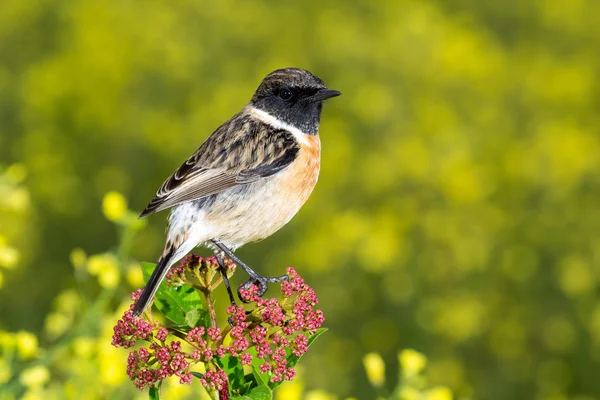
[285, 94]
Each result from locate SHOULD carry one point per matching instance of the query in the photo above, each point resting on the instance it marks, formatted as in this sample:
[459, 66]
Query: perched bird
[247, 180]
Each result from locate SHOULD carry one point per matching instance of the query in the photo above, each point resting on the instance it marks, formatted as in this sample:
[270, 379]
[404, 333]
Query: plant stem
[211, 309]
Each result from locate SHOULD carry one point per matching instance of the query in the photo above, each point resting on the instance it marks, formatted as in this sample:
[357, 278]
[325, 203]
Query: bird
[247, 180]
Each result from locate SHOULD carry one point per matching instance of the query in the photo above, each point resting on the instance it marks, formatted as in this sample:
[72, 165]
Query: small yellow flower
[412, 362]
[439, 393]
[375, 368]
[78, 258]
[27, 344]
[35, 376]
[114, 206]
[5, 372]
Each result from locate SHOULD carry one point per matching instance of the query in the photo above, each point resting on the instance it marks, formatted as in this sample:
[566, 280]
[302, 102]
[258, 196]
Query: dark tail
[153, 283]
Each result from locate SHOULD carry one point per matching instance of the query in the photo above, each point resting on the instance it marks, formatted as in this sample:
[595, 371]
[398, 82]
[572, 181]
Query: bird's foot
[261, 282]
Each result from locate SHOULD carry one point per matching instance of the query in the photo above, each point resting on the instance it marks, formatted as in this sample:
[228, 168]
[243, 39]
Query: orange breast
[304, 171]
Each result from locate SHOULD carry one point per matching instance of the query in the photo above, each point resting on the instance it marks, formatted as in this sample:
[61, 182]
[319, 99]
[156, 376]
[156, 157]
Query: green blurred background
[458, 207]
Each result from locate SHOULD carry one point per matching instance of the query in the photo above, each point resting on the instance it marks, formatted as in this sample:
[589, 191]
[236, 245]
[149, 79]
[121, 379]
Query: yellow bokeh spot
[105, 266]
[462, 180]
[33, 394]
[16, 173]
[291, 390]
[438, 393]
[17, 200]
[114, 206]
[99, 262]
[68, 301]
[5, 371]
[172, 389]
[112, 365]
[109, 278]
[84, 346]
[412, 362]
[134, 275]
[9, 257]
[576, 276]
[319, 395]
[35, 376]
[27, 344]
[78, 258]
[375, 368]
[7, 339]
[409, 393]
[448, 370]
[57, 324]
[460, 318]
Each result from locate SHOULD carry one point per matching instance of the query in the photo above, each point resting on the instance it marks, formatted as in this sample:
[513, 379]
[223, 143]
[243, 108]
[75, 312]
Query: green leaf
[234, 370]
[292, 359]
[174, 302]
[197, 374]
[192, 317]
[154, 393]
[258, 393]
[261, 379]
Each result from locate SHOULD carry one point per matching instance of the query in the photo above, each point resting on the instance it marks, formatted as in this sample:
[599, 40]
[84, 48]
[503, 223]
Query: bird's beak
[324, 94]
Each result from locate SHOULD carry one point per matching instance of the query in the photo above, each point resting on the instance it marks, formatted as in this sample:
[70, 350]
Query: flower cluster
[157, 362]
[167, 360]
[275, 328]
[197, 271]
[130, 329]
[270, 331]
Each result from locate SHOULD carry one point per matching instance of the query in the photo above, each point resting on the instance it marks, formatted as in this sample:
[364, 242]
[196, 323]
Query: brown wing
[240, 151]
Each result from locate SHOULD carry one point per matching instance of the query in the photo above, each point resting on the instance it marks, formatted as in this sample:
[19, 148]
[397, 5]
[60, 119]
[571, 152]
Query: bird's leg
[221, 261]
[255, 277]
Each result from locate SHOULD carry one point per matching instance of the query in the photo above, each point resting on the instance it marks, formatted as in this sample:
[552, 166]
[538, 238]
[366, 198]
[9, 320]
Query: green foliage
[258, 393]
[154, 392]
[181, 305]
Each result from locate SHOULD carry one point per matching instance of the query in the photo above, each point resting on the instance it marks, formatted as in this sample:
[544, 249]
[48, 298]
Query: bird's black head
[294, 96]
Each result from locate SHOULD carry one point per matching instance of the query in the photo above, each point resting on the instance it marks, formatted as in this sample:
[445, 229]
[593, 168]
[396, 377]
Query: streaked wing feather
[194, 187]
[241, 151]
